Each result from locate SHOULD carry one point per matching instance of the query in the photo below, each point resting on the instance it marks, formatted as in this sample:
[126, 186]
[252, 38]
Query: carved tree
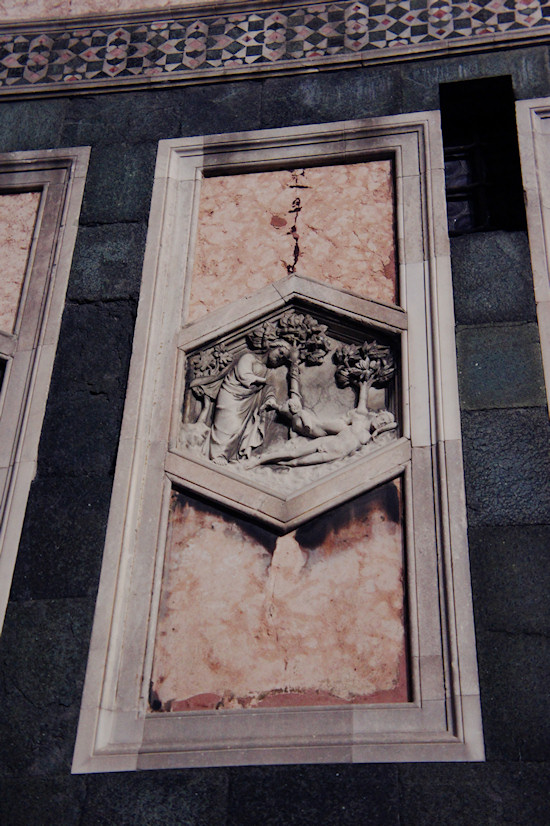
[363, 366]
[204, 370]
[306, 337]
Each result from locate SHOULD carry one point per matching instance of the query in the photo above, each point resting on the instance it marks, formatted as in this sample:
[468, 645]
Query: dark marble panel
[31, 124]
[510, 570]
[132, 117]
[344, 95]
[94, 347]
[507, 466]
[194, 797]
[119, 183]
[515, 702]
[220, 107]
[465, 795]
[107, 262]
[492, 278]
[62, 541]
[80, 435]
[55, 801]
[500, 367]
[84, 410]
[43, 653]
[311, 795]
[420, 79]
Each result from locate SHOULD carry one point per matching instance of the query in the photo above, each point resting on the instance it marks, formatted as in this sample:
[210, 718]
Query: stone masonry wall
[44, 646]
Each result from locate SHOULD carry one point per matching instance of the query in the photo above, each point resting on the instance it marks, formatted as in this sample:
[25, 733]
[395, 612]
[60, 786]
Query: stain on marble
[17, 218]
[251, 619]
[334, 224]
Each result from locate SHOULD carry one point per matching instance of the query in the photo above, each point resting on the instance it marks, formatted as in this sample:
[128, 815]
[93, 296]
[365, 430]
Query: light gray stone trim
[60, 176]
[533, 118]
[442, 719]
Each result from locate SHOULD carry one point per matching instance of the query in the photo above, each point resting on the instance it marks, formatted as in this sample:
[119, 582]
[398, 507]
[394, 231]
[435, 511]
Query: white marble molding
[59, 177]
[442, 720]
[533, 118]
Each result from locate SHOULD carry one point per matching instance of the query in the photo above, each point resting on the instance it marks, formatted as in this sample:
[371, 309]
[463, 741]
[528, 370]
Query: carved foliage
[302, 332]
[371, 363]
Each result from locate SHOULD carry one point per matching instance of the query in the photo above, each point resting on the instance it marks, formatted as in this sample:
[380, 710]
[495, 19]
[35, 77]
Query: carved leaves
[304, 333]
[210, 362]
[206, 365]
[370, 363]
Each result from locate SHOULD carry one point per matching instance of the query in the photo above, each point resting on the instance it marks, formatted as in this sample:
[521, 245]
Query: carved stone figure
[242, 402]
[235, 394]
[332, 439]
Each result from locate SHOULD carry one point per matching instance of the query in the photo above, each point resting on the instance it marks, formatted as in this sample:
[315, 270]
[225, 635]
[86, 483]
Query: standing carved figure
[242, 402]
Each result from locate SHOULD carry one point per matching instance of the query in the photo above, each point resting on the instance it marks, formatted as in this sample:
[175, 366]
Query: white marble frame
[442, 721]
[59, 174]
[533, 118]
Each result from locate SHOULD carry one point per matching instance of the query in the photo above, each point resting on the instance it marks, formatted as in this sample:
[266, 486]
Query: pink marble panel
[34, 9]
[333, 223]
[38, 9]
[17, 219]
[249, 619]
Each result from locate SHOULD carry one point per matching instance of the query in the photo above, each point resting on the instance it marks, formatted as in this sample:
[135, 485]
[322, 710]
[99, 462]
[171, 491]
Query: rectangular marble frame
[533, 118]
[60, 176]
[442, 721]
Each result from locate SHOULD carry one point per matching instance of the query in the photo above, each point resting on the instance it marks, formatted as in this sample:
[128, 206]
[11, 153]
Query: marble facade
[249, 618]
[273, 524]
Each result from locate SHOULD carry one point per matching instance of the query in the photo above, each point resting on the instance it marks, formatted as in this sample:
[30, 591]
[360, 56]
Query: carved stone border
[533, 118]
[442, 721]
[60, 176]
[207, 42]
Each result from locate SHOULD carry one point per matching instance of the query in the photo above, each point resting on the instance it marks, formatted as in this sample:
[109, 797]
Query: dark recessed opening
[2, 371]
[482, 167]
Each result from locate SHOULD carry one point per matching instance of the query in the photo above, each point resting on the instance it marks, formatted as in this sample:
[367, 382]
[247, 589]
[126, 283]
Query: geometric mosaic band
[189, 45]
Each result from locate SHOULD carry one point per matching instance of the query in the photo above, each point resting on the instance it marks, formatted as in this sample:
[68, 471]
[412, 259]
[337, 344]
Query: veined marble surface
[249, 619]
[331, 223]
[17, 219]
[44, 9]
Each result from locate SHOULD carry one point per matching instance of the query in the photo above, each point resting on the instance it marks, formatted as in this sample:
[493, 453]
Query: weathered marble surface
[17, 219]
[312, 618]
[251, 231]
[36, 9]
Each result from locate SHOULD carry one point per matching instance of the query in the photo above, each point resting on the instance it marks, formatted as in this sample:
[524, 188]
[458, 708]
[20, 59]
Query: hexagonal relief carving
[288, 400]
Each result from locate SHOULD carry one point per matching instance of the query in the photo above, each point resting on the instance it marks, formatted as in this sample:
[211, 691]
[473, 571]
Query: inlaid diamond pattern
[219, 42]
